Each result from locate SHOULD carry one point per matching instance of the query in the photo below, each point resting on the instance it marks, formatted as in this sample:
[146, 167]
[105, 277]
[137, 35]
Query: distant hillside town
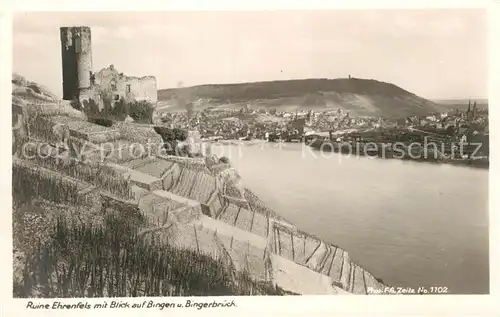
[249, 123]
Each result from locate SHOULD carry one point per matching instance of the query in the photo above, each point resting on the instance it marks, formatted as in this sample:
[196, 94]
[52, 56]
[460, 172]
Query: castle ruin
[81, 83]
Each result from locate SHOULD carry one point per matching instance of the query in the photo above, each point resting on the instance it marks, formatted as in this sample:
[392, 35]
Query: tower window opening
[128, 88]
[113, 86]
[78, 45]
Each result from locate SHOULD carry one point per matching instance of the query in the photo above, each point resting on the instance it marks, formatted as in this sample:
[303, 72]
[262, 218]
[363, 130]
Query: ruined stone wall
[116, 85]
[142, 88]
[110, 81]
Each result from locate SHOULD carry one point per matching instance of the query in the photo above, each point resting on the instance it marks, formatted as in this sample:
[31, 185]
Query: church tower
[76, 53]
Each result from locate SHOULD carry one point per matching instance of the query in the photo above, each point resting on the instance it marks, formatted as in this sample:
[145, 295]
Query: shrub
[91, 108]
[140, 111]
[105, 122]
[171, 134]
[180, 134]
[165, 133]
[120, 110]
[76, 104]
[171, 138]
[184, 151]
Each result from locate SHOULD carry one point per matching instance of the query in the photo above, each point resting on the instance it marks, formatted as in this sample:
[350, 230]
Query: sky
[436, 54]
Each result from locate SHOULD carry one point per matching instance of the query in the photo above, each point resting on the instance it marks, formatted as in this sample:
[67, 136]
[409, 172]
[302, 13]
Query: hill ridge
[362, 97]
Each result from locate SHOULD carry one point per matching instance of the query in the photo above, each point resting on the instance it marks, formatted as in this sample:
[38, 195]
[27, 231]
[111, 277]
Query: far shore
[481, 163]
[234, 142]
[475, 163]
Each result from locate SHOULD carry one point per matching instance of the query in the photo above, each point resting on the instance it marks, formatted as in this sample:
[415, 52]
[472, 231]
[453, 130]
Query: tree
[90, 108]
[172, 138]
[450, 130]
[141, 111]
[120, 110]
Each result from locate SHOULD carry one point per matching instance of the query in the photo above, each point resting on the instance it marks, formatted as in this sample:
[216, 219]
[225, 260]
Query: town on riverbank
[455, 136]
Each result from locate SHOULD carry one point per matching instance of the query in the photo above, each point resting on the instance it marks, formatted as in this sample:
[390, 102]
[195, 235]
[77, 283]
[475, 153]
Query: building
[116, 85]
[471, 113]
[81, 83]
[431, 118]
[194, 142]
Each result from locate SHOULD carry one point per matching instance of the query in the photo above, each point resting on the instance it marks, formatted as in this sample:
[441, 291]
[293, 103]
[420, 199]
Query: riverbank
[233, 142]
[404, 152]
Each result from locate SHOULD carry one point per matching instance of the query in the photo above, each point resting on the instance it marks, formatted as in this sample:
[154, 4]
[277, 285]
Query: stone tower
[76, 48]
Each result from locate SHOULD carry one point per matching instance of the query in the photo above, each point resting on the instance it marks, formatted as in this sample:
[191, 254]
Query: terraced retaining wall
[327, 259]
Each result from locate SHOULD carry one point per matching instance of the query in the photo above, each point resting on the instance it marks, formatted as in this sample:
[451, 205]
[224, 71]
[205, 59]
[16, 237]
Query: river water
[411, 224]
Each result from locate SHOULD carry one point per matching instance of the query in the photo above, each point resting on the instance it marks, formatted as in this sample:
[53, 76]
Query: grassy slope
[362, 97]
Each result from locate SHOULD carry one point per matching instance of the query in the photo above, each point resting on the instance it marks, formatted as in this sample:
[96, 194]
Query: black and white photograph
[250, 153]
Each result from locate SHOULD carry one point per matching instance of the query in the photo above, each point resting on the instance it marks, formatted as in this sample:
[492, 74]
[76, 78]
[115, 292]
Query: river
[411, 224]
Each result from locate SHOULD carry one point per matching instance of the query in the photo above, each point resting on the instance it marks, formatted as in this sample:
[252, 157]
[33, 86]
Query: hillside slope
[195, 205]
[362, 97]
